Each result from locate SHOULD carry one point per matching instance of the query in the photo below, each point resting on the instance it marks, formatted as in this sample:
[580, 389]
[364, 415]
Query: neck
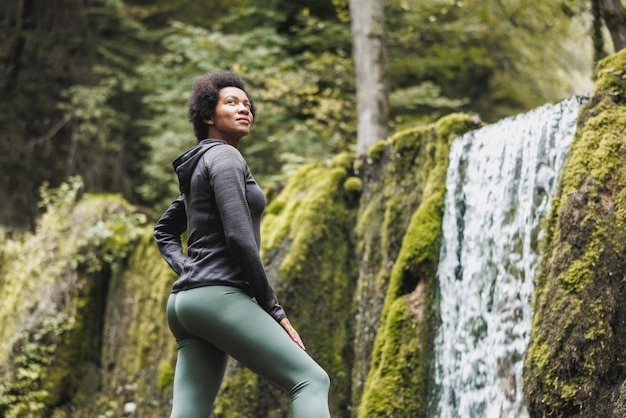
[231, 141]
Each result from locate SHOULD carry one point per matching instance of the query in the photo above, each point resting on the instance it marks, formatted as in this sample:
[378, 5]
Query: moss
[353, 185]
[138, 350]
[408, 147]
[409, 196]
[375, 152]
[165, 375]
[574, 360]
[274, 208]
[578, 274]
[410, 333]
[308, 183]
[308, 197]
[455, 124]
[344, 161]
[610, 74]
[239, 396]
[397, 374]
[419, 254]
[53, 314]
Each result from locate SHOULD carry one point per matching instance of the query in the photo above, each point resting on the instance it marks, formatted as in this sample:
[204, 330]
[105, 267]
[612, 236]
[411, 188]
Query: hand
[292, 332]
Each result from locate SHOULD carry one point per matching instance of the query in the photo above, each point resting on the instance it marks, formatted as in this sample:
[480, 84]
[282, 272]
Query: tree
[614, 16]
[68, 100]
[493, 57]
[370, 62]
[110, 105]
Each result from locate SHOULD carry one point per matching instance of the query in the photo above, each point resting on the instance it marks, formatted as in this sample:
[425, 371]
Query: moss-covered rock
[575, 363]
[399, 377]
[54, 285]
[138, 352]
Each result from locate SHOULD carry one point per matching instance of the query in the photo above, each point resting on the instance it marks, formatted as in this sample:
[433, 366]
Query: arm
[167, 232]
[229, 185]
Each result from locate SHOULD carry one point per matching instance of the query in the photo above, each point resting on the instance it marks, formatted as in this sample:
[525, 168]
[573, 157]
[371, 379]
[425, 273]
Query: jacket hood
[186, 163]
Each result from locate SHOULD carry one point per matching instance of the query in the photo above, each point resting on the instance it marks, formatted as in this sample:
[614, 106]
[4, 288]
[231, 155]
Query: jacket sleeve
[229, 185]
[167, 234]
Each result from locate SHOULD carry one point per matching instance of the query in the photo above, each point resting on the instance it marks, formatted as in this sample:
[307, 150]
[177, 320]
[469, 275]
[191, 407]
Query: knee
[320, 379]
[310, 397]
[316, 382]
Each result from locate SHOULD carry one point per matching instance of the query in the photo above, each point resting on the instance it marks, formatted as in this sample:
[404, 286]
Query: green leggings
[212, 322]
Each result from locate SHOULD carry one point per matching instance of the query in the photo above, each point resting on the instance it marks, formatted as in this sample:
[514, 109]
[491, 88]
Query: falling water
[500, 182]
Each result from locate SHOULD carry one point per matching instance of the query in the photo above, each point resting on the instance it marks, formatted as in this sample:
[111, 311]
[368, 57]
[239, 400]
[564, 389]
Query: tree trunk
[614, 16]
[370, 59]
[596, 32]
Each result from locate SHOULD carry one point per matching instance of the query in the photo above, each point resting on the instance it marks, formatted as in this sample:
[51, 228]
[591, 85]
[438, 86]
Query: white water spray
[500, 182]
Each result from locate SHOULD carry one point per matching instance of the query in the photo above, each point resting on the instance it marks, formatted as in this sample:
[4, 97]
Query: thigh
[241, 328]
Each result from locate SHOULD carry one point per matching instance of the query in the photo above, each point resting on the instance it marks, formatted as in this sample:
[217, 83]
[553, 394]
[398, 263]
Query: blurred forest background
[98, 88]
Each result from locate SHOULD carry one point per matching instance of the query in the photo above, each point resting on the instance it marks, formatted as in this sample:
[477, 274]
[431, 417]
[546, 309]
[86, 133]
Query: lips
[244, 120]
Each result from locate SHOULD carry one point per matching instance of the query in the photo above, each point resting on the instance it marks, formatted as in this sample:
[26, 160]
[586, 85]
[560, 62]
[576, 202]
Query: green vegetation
[54, 284]
[575, 358]
[399, 381]
[116, 116]
[351, 246]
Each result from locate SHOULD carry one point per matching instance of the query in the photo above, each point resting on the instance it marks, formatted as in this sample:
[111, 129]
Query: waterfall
[500, 181]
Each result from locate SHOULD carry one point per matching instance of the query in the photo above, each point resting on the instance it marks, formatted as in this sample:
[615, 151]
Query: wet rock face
[574, 365]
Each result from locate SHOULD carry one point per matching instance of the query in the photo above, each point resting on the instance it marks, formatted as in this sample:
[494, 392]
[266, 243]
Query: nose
[243, 108]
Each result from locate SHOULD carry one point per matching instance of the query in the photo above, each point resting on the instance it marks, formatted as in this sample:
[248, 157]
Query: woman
[210, 310]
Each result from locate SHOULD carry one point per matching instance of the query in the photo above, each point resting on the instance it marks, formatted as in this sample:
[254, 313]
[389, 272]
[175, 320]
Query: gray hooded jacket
[221, 207]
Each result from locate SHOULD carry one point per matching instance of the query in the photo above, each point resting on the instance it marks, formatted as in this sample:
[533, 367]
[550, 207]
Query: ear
[208, 121]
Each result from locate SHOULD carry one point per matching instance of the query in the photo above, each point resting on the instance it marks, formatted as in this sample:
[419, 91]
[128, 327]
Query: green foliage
[108, 241]
[423, 99]
[77, 116]
[53, 281]
[303, 111]
[102, 242]
[486, 57]
[28, 393]
[117, 115]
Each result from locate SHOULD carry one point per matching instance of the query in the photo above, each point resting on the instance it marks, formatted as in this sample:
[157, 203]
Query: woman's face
[232, 117]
